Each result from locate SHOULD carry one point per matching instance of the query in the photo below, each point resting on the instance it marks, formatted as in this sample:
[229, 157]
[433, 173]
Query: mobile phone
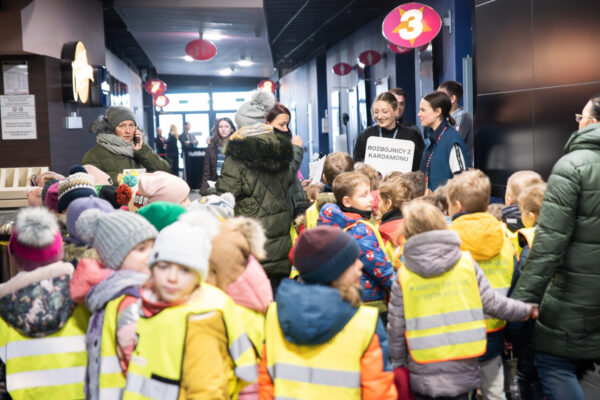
[136, 139]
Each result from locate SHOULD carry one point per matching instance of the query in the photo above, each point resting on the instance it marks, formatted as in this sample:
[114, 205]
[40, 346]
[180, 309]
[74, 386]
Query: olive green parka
[258, 171]
[563, 268]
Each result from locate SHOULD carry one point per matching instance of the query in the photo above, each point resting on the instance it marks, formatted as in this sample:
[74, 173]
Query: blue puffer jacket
[377, 277]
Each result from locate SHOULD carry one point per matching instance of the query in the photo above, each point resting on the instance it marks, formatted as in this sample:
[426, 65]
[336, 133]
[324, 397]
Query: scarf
[114, 144]
[252, 130]
[362, 213]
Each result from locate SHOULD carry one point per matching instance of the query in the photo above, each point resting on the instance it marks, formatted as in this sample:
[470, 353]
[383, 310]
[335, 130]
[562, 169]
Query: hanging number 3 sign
[411, 25]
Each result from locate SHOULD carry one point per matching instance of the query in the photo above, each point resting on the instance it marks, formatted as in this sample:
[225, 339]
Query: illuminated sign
[155, 87]
[201, 50]
[411, 25]
[267, 85]
[369, 57]
[161, 101]
[76, 72]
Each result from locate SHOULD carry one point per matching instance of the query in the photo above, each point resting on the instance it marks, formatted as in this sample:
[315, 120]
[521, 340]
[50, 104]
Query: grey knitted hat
[256, 109]
[117, 114]
[187, 243]
[114, 234]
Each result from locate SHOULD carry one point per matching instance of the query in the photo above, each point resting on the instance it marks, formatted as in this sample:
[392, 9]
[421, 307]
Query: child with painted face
[188, 340]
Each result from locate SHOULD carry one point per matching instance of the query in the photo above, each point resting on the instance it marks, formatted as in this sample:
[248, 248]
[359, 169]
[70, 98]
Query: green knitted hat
[161, 213]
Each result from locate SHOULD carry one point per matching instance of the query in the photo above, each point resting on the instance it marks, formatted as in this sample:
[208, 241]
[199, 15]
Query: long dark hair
[215, 130]
[442, 101]
[279, 109]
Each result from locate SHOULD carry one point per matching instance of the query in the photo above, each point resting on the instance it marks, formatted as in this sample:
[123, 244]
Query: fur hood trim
[23, 279]
[254, 234]
[270, 152]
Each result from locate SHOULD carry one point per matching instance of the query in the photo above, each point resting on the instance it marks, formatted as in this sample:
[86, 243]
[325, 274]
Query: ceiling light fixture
[188, 58]
[212, 36]
[225, 71]
[245, 62]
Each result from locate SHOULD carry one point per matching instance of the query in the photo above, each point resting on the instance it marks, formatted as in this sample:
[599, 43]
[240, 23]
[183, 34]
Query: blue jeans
[559, 377]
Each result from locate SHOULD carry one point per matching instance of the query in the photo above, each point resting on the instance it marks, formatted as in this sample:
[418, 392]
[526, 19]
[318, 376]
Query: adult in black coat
[214, 158]
[173, 150]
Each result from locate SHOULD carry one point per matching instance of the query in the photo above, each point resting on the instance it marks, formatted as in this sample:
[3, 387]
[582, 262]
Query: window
[229, 100]
[187, 102]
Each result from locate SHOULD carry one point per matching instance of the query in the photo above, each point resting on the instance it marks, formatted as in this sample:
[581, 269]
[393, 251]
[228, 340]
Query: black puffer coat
[259, 170]
[563, 267]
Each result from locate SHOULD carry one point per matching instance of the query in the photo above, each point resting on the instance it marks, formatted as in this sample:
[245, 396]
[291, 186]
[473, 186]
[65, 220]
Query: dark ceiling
[298, 30]
[302, 29]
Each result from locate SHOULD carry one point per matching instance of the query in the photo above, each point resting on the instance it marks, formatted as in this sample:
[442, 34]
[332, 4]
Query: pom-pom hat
[78, 184]
[76, 208]
[35, 240]
[113, 234]
[256, 109]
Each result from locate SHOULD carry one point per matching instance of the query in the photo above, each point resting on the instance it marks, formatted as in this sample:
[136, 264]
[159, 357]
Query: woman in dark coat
[260, 166]
[173, 150]
[561, 270]
[214, 158]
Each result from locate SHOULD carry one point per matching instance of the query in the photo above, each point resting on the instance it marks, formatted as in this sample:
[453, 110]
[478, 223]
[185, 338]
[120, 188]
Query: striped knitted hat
[113, 234]
[77, 184]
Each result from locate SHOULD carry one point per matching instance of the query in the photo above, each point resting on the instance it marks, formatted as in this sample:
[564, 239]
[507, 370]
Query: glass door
[200, 127]
[165, 121]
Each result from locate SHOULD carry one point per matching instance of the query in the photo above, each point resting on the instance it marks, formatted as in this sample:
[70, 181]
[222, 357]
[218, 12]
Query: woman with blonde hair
[173, 150]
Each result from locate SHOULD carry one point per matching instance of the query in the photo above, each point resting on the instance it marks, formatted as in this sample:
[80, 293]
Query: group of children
[171, 301]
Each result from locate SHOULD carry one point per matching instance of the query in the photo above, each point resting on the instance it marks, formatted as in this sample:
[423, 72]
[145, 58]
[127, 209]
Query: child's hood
[37, 303]
[252, 289]
[89, 273]
[311, 314]
[480, 233]
[432, 253]
[331, 214]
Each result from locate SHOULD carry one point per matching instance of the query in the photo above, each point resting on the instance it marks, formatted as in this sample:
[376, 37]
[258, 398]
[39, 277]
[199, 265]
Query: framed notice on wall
[18, 117]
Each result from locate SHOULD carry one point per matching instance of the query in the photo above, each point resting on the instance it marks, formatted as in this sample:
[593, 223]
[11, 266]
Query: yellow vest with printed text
[327, 371]
[443, 314]
[499, 271]
[155, 368]
[49, 367]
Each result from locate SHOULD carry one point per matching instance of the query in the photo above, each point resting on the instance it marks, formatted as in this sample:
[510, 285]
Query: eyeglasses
[579, 117]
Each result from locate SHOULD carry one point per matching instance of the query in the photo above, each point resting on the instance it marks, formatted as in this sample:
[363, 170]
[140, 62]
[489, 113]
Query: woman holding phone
[120, 145]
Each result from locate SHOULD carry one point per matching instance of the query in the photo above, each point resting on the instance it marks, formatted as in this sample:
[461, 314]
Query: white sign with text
[388, 155]
[18, 117]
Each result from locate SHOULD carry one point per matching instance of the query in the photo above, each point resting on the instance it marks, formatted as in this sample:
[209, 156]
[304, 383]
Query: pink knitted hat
[35, 240]
[52, 197]
[163, 186]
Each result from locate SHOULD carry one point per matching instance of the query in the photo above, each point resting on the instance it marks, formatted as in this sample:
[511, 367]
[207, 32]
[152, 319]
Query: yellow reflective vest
[499, 271]
[49, 367]
[529, 235]
[111, 379]
[254, 325]
[444, 314]
[155, 368]
[327, 371]
[312, 216]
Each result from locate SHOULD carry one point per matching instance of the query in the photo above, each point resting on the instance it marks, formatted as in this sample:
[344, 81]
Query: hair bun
[36, 227]
[87, 224]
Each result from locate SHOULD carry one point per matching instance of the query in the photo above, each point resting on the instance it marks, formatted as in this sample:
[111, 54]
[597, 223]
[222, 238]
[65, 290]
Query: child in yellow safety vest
[520, 334]
[482, 235]
[436, 317]
[234, 268]
[516, 183]
[188, 339]
[42, 331]
[392, 196]
[320, 343]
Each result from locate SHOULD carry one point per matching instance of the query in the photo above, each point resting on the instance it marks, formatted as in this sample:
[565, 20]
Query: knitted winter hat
[78, 184]
[35, 240]
[186, 243]
[324, 253]
[163, 186]
[76, 208]
[113, 234]
[100, 177]
[161, 213]
[256, 109]
[117, 114]
[116, 196]
[46, 187]
[51, 198]
[220, 206]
